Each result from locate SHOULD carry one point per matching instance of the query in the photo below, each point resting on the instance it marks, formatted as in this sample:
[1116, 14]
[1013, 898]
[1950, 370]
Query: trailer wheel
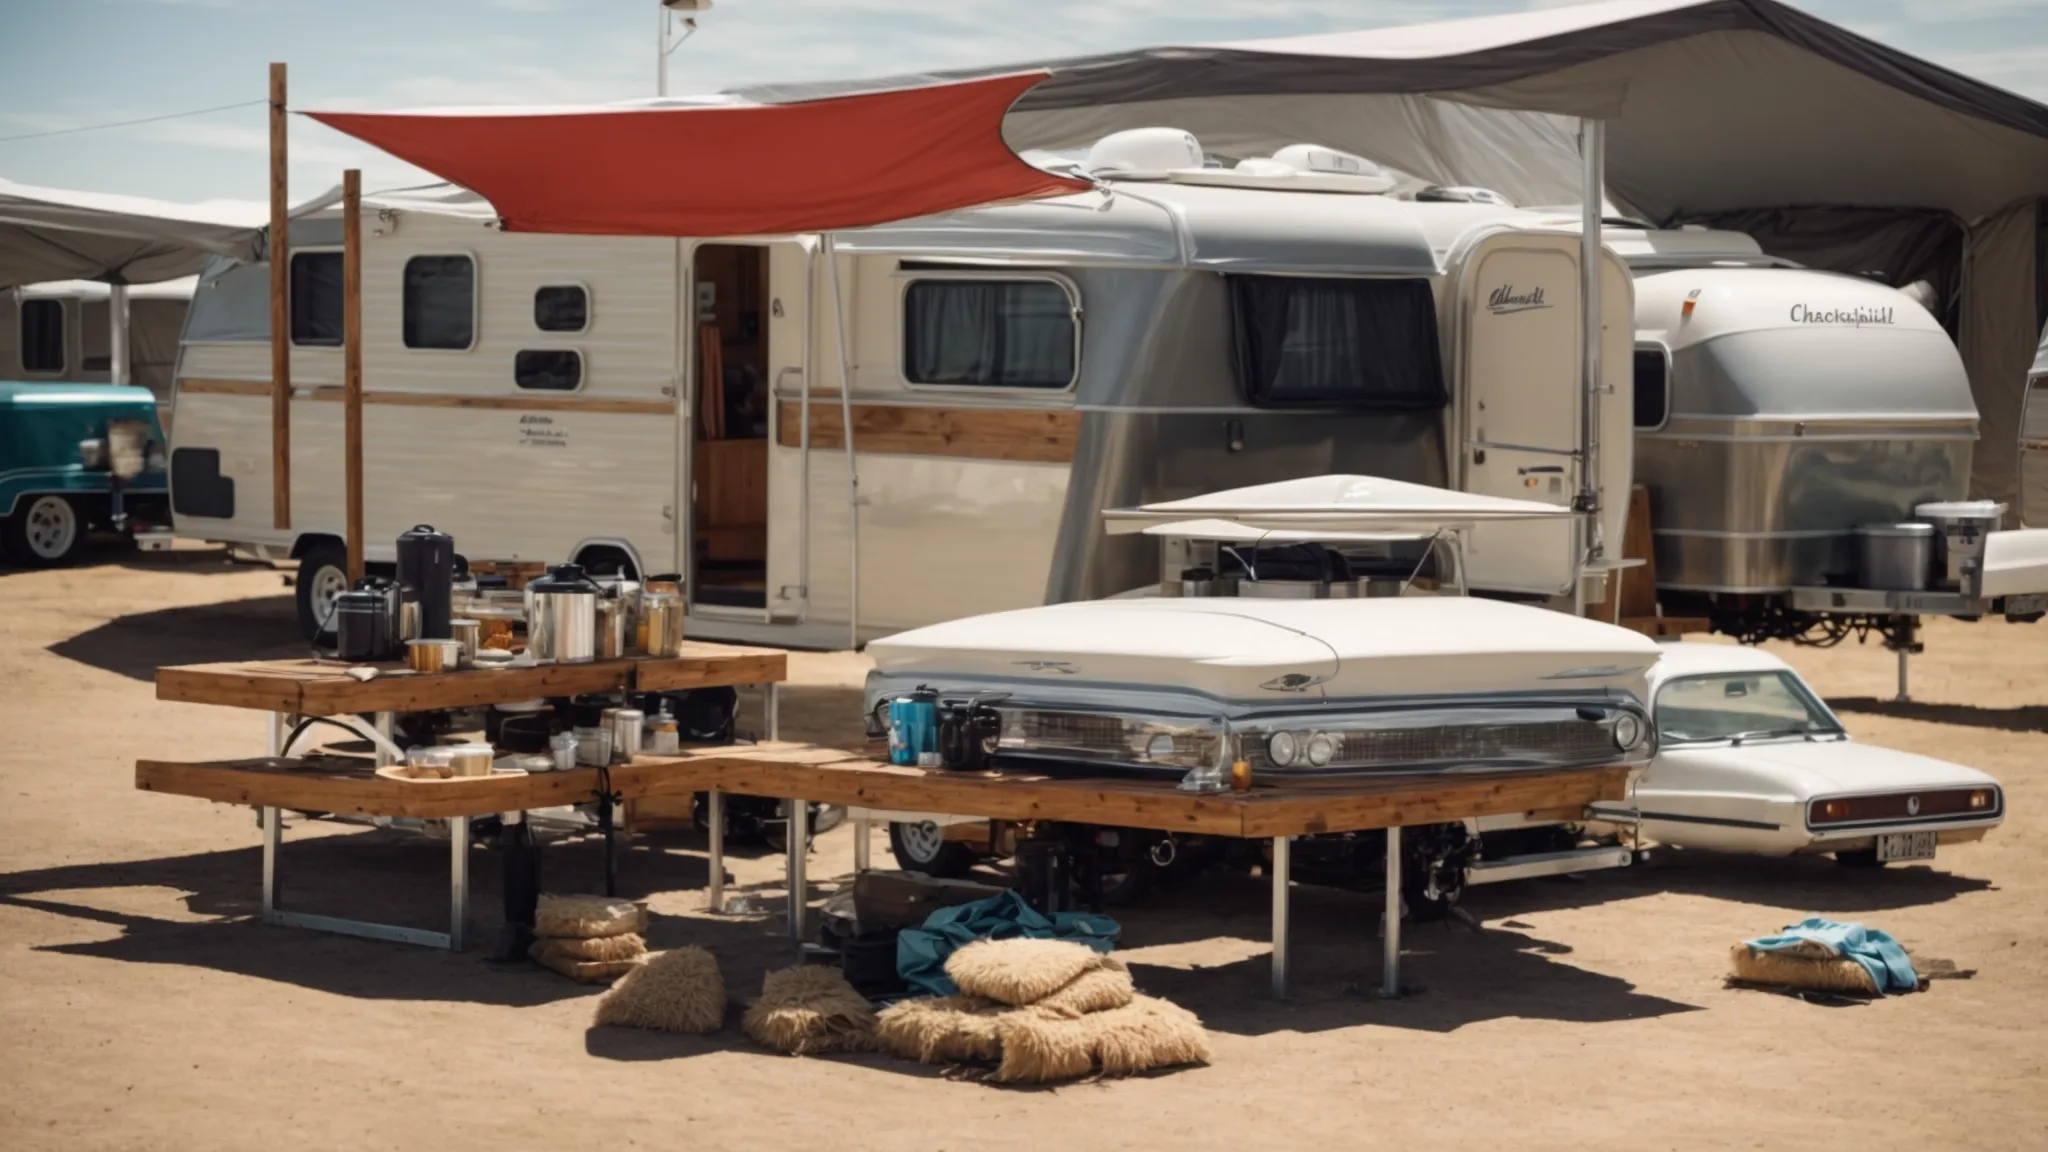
[323, 575]
[923, 847]
[44, 532]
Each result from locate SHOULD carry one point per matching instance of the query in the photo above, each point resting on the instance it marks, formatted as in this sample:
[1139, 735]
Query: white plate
[1907, 845]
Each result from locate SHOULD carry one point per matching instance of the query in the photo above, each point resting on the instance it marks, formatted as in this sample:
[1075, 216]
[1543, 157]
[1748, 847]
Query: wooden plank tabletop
[310, 687]
[825, 775]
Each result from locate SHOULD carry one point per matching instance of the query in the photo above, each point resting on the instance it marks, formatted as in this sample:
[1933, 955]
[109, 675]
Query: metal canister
[468, 634]
[627, 724]
[561, 616]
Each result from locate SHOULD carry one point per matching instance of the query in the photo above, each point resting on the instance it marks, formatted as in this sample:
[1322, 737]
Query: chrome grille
[1559, 741]
[1067, 731]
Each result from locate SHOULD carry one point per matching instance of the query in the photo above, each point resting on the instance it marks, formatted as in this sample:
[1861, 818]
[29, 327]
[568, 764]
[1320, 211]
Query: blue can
[914, 729]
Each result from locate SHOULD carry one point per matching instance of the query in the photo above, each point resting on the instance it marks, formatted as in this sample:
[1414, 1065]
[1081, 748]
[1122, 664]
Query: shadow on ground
[2024, 718]
[134, 646]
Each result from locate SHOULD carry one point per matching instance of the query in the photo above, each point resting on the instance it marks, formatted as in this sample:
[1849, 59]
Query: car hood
[1818, 768]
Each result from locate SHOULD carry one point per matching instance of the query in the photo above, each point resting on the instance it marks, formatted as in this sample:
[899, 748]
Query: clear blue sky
[65, 63]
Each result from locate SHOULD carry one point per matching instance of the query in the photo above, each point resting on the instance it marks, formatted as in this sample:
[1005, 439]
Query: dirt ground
[143, 1006]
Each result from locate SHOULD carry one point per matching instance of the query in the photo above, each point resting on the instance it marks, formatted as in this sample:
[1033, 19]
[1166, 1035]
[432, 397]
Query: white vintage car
[1749, 759]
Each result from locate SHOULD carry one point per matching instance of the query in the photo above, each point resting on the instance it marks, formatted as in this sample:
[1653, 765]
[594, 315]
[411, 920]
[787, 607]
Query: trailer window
[1653, 387]
[1325, 342]
[561, 308]
[989, 333]
[42, 335]
[440, 302]
[548, 369]
[316, 298]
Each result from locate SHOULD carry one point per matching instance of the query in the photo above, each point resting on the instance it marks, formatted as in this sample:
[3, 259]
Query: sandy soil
[142, 1007]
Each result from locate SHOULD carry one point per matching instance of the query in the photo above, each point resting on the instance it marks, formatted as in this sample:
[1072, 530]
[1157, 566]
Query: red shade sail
[845, 162]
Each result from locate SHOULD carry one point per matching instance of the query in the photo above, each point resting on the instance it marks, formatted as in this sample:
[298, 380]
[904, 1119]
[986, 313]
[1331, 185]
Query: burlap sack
[586, 917]
[1815, 970]
[627, 947]
[547, 953]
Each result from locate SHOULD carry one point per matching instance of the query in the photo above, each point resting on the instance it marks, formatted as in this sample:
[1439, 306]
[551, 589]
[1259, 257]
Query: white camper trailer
[62, 331]
[678, 405]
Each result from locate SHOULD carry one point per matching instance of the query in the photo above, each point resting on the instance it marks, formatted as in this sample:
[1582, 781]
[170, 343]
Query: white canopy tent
[1315, 506]
[1830, 148]
[53, 234]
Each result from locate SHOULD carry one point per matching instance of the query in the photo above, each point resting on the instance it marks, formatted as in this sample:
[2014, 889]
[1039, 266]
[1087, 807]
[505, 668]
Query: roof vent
[1461, 194]
[1144, 154]
[1297, 168]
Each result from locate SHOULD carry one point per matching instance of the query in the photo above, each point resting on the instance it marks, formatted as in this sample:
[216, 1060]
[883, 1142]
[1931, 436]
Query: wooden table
[288, 690]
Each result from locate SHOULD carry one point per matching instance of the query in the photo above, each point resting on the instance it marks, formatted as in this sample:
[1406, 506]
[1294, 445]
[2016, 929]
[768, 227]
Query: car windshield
[1739, 705]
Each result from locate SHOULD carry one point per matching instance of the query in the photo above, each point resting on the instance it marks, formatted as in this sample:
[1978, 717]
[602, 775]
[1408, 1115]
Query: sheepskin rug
[942, 1029]
[807, 1010]
[1813, 969]
[1145, 1034]
[1021, 970]
[679, 990]
[586, 917]
[1096, 990]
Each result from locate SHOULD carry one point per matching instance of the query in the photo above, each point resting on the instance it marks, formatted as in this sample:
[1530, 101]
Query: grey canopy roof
[57, 234]
[1711, 105]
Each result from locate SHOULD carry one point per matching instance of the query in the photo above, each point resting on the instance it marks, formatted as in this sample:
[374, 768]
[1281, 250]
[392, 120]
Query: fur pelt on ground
[807, 1010]
[680, 990]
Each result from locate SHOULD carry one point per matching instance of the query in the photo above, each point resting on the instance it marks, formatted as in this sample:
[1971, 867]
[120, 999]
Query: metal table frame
[271, 820]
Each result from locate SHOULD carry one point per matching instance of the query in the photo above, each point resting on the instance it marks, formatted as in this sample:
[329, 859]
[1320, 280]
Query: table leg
[458, 880]
[862, 831]
[387, 724]
[799, 837]
[276, 729]
[1390, 943]
[716, 835]
[1281, 869]
[273, 838]
[1903, 696]
[771, 706]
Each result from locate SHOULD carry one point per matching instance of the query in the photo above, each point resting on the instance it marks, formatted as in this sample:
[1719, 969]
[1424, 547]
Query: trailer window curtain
[42, 335]
[1324, 342]
[316, 298]
[440, 302]
[989, 333]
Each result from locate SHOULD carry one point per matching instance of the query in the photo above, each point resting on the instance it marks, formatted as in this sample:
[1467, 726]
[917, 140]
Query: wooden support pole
[280, 314]
[352, 361]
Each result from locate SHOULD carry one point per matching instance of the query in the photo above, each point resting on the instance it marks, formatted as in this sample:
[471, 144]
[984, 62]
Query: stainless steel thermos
[561, 616]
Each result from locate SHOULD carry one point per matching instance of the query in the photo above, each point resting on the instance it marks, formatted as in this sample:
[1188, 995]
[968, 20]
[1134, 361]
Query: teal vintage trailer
[74, 457]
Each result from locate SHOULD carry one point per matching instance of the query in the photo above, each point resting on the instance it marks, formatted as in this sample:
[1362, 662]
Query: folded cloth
[921, 952]
[1876, 951]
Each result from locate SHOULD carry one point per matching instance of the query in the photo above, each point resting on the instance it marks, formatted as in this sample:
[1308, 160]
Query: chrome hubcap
[922, 840]
[328, 583]
[51, 527]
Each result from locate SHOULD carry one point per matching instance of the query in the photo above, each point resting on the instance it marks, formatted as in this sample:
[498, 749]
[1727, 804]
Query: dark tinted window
[440, 302]
[316, 298]
[1309, 342]
[552, 369]
[1653, 387]
[561, 308]
[990, 333]
[42, 335]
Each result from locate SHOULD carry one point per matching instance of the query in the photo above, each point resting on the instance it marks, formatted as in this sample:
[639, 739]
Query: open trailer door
[1517, 395]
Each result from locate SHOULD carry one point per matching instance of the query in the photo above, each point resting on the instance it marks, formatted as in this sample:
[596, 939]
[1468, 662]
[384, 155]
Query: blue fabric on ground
[1880, 955]
[921, 952]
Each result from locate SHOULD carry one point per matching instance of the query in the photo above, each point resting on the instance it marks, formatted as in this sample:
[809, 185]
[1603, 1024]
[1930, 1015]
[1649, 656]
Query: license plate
[1907, 845]
[2027, 604]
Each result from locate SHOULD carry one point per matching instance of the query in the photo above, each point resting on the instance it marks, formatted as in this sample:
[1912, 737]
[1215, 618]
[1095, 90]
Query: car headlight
[1321, 750]
[1281, 747]
[1628, 730]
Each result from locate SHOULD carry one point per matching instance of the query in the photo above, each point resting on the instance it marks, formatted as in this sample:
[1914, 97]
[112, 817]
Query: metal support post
[458, 880]
[1281, 868]
[273, 839]
[771, 704]
[1904, 696]
[1390, 941]
[387, 724]
[862, 830]
[799, 844]
[716, 835]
